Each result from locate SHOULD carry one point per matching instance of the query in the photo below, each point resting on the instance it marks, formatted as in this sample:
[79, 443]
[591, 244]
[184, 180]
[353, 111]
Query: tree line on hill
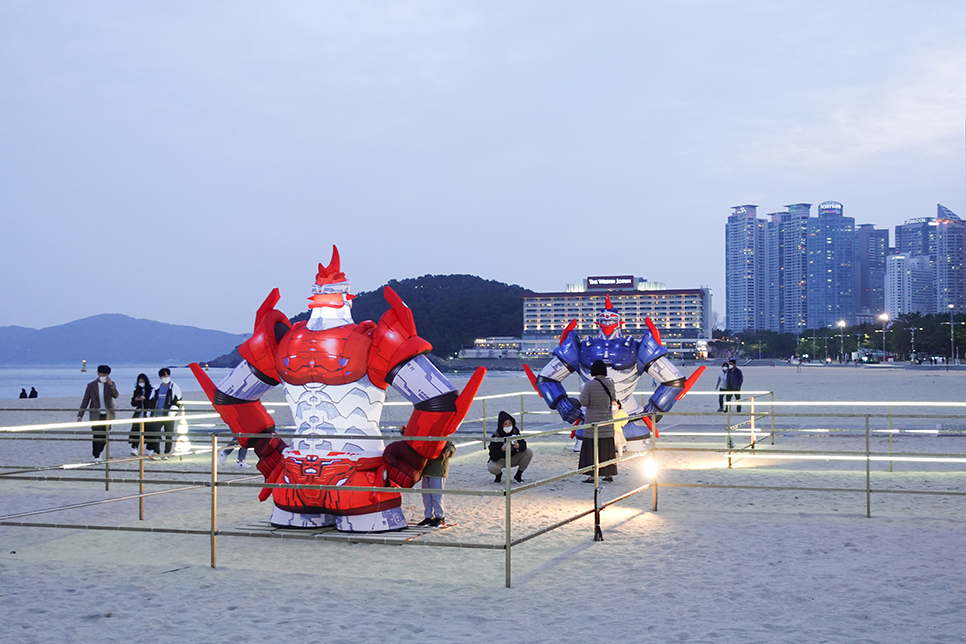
[927, 335]
[450, 311]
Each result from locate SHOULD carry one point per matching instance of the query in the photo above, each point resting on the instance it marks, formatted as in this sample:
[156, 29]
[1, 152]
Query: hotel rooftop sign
[611, 282]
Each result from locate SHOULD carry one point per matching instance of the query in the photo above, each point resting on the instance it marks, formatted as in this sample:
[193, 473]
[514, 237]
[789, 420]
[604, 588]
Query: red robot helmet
[609, 319]
[331, 287]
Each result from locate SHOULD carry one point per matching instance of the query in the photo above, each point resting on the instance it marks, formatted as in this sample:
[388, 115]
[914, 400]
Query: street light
[841, 324]
[951, 349]
[885, 320]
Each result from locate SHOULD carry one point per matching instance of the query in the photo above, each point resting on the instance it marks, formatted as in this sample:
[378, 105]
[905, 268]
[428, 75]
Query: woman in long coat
[596, 398]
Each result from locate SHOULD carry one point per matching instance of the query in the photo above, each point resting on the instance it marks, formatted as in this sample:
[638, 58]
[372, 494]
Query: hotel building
[682, 316]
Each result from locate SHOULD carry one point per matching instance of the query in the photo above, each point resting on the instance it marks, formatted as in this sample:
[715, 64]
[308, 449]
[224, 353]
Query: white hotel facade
[683, 316]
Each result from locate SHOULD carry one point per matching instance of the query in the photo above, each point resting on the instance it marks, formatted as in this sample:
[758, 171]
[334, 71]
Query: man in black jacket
[520, 454]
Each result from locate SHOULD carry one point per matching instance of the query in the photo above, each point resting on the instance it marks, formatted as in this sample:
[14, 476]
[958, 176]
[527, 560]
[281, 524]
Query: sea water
[68, 380]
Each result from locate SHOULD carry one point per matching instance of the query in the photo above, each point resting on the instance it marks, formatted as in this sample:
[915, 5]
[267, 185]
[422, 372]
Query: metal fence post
[890, 438]
[214, 500]
[508, 462]
[654, 457]
[772, 417]
[728, 432]
[107, 456]
[141, 474]
[598, 535]
[868, 477]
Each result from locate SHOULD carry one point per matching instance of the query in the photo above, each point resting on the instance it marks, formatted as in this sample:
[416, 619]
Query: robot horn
[607, 304]
[332, 273]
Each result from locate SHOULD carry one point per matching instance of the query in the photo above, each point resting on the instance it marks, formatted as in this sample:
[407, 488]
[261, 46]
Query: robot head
[331, 288]
[609, 319]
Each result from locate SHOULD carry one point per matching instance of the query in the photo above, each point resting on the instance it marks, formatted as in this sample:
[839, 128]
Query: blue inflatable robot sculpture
[627, 359]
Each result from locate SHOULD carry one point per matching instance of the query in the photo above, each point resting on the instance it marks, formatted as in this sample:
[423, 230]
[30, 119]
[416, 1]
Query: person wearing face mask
[140, 401]
[99, 398]
[166, 397]
[520, 454]
[722, 385]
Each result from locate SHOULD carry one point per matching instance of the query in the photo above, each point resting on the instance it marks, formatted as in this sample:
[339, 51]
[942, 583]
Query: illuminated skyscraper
[745, 269]
[950, 261]
[831, 258]
[786, 269]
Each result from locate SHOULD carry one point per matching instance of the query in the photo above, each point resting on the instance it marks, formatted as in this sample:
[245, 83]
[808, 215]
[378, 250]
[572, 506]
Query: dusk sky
[177, 160]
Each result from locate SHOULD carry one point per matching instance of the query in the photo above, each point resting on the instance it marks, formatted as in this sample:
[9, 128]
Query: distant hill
[113, 338]
[450, 311]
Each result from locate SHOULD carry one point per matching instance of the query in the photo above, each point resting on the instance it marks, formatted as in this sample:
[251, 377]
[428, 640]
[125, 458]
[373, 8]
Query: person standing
[434, 477]
[141, 401]
[596, 398]
[165, 398]
[520, 454]
[722, 384]
[735, 380]
[99, 397]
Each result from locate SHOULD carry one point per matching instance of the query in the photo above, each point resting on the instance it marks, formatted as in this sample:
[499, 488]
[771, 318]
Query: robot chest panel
[620, 353]
[332, 356]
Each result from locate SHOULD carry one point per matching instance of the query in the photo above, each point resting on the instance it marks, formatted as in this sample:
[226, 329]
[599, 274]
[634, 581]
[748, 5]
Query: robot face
[608, 321]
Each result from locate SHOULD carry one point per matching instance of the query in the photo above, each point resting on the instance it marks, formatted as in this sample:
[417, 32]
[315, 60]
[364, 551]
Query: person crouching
[520, 454]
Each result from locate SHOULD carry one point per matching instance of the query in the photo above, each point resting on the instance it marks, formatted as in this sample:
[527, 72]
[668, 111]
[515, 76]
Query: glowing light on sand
[650, 468]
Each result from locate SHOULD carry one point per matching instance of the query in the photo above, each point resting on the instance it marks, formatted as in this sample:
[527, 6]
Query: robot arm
[237, 397]
[397, 357]
[652, 358]
[438, 411]
[549, 383]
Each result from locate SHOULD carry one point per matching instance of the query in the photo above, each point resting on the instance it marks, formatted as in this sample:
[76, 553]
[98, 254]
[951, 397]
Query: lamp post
[885, 320]
[951, 341]
[841, 324]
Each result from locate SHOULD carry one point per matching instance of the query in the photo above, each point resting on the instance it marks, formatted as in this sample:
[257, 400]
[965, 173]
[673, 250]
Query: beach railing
[676, 432]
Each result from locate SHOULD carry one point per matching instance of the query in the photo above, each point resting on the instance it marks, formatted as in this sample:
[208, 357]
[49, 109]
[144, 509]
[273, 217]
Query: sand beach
[711, 565]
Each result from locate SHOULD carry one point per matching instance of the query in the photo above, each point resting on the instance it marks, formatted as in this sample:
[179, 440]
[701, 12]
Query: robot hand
[402, 465]
[570, 411]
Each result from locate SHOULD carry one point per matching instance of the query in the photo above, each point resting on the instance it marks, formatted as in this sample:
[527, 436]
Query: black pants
[167, 437]
[734, 396]
[99, 436]
[134, 436]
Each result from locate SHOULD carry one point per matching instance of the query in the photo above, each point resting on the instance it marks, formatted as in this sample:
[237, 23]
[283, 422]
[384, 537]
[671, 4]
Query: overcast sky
[177, 160]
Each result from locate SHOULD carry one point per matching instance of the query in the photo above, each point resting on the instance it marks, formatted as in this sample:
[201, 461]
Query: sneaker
[97, 459]
[242, 465]
[518, 477]
[437, 522]
[164, 458]
[609, 479]
[589, 479]
[222, 456]
[428, 521]
[134, 452]
[149, 452]
[498, 478]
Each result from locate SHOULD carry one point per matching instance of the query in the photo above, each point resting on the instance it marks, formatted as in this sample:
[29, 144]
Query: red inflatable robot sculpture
[335, 374]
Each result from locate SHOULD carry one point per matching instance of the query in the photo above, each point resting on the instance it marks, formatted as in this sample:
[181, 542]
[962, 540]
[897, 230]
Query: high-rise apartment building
[745, 269]
[917, 237]
[950, 261]
[831, 258]
[871, 249]
[786, 269]
[910, 285]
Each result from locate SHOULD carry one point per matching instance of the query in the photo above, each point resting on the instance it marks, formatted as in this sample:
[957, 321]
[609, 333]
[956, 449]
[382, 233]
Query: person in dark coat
[33, 393]
[735, 380]
[23, 393]
[520, 454]
[596, 398]
[141, 402]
